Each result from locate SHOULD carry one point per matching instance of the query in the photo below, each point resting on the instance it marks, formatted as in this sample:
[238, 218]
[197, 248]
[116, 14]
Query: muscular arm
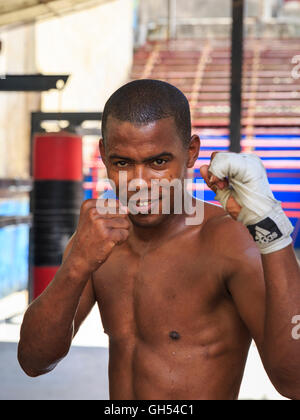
[266, 292]
[52, 320]
[282, 279]
[241, 185]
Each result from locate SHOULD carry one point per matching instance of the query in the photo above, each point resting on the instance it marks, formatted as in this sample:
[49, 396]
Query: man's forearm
[47, 329]
[281, 350]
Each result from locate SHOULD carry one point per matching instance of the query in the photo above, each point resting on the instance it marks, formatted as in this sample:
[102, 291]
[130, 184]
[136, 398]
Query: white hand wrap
[249, 186]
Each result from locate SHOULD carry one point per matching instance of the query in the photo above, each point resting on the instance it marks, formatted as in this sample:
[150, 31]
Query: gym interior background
[59, 63]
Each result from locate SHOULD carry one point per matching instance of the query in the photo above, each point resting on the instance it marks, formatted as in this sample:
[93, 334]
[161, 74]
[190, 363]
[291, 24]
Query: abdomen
[174, 371]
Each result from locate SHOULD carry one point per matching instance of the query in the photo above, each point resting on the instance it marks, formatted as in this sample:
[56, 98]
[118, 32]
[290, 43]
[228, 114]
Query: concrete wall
[19, 57]
[195, 18]
[197, 8]
[291, 9]
[95, 46]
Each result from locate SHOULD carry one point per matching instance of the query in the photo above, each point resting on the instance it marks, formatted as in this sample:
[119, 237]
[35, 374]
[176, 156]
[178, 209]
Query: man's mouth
[147, 206]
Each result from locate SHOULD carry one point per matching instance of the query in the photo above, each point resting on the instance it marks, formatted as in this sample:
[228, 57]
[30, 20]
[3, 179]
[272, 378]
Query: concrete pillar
[267, 9]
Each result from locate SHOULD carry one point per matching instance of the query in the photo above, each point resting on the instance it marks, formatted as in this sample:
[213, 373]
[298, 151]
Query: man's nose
[140, 173]
[141, 176]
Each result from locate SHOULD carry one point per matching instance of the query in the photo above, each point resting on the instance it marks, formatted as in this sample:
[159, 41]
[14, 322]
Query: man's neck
[168, 226]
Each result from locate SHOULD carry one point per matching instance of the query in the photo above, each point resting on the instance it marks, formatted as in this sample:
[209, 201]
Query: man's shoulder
[215, 217]
[225, 234]
[212, 211]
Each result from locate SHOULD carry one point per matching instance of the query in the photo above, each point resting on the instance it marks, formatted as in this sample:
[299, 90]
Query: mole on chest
[174, 335]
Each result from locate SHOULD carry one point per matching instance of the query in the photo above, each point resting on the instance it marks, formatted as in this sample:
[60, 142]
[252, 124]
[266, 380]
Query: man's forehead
[116, 127]
[139, 141]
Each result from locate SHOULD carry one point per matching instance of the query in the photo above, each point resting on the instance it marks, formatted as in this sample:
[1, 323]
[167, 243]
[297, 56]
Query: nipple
[174, 335]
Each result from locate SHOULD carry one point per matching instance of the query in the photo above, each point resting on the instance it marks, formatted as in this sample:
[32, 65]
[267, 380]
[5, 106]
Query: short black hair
[145, 100]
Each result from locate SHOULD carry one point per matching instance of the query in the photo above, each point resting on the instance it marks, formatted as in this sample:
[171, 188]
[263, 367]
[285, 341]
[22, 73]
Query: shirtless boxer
[180, 304]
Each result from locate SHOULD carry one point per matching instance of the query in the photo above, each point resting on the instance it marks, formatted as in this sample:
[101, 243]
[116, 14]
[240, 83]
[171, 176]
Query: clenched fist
[241, 185]
[97, 234]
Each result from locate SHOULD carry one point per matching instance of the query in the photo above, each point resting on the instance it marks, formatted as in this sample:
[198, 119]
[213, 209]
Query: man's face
[151, 152]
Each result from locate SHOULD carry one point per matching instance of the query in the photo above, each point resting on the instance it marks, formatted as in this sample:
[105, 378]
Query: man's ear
[102, 149]
[193, 152]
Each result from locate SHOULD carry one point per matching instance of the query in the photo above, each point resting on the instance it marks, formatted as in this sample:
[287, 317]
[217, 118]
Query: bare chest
[170, 289]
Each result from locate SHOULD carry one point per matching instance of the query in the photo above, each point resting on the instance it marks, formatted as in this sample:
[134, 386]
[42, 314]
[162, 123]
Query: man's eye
[121, 164]
[159, 162]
